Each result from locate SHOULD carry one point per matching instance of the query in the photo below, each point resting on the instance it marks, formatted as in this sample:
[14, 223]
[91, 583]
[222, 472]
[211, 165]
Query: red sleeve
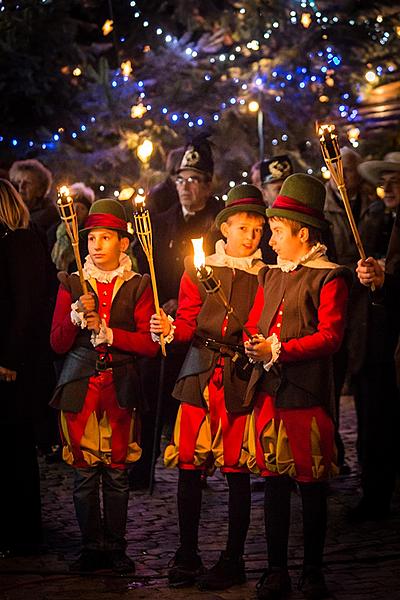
[139, 341]
[63, 331]
[331, 325]
[255, 313]
[189, 305]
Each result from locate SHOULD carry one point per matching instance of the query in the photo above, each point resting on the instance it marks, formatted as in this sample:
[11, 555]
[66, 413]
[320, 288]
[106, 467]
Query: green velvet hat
[242, 198]
[301, 198]
[107, 214]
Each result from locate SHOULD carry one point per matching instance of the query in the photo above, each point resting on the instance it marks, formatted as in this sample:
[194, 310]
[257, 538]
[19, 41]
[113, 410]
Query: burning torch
[333, 160]
[211, 284]
[145, 237]
[66, 208]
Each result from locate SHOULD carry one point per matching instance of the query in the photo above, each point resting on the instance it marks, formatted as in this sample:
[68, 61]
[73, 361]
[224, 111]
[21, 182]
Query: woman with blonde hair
[13, 212]
[24, 352]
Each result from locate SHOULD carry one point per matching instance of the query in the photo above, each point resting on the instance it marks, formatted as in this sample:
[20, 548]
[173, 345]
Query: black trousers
[107, 533]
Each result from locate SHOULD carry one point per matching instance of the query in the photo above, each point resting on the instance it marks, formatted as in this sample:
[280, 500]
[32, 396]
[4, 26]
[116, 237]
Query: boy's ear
[124, 244]
[224, 229]
[304, 235]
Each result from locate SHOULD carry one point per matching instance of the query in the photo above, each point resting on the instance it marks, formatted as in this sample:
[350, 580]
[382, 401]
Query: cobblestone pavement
[362, 561]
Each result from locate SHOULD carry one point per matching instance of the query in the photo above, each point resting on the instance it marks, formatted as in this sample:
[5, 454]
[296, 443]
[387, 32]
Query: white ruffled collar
[124, 270]
[245, 263]
[316, 251]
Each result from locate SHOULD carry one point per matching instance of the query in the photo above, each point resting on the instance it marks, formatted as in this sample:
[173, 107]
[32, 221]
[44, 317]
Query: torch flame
[199, 256]
[64, 190]
[323, 129]
[139, 201]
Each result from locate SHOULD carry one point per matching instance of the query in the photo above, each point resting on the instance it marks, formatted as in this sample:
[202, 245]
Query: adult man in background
[269, 175]
[192, 217]
[368, 215]
[379, 405]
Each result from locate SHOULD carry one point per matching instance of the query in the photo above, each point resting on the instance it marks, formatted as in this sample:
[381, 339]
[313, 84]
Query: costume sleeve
[255, 313]
[189, 305]
[63, 331]
[138, 341]
[331, 325]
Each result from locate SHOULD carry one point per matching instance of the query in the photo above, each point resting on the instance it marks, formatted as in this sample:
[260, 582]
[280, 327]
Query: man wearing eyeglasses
[192, 217]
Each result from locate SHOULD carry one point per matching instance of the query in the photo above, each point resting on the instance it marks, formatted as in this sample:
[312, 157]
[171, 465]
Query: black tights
[277, 520]
[189, 507]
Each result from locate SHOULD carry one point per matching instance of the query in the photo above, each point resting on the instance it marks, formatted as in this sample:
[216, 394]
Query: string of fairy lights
[326, 61]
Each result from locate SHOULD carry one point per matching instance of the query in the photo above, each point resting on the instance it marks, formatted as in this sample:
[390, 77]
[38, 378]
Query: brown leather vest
[305, 383]
[240, 289]
[80, 362]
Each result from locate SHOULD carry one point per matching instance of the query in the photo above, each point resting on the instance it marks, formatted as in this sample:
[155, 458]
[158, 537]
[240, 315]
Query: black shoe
[312, 584]
[368, 511]
[275, 584]
[88, 562]
[120, 562]
[185, 569]
[224, 574]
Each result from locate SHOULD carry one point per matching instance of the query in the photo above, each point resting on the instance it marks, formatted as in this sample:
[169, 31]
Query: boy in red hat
[297, 323]
[98, 392]
[213, 422]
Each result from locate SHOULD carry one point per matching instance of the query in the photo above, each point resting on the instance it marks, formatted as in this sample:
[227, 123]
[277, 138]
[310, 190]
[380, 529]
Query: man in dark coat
[192, 217]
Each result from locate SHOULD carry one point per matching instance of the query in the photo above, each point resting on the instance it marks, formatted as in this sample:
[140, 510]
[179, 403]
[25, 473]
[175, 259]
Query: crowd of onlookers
[34, 246]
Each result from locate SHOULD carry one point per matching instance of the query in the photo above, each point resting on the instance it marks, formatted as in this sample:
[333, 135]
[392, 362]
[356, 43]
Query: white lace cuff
[275, 351]
[167, 338]
[105, 335]
[78, 316]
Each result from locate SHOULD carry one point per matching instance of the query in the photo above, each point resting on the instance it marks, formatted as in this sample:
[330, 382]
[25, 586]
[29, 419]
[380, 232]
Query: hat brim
[295, 216]
[231, 210]
[85, 231]
[206, 173]
[372, 169]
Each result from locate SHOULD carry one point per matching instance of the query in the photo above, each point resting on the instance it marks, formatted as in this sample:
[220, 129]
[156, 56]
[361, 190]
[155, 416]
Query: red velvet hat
[107, 214]
[301, 198]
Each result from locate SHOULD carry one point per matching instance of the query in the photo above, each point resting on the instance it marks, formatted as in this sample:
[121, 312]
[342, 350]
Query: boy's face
[243, 233]
[288, 245]
[105, 247]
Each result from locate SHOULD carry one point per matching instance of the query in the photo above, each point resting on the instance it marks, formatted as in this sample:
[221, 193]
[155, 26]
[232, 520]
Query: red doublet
[299, 441]
[205, 438]
[102, 432]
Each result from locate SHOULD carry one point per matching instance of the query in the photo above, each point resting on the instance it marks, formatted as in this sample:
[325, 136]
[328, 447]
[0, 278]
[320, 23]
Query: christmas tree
[100, 91]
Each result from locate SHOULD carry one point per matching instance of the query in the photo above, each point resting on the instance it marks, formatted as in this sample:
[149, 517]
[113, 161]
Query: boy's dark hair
[314, 234]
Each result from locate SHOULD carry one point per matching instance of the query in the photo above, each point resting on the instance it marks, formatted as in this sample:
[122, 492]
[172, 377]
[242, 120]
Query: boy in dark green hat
[297, 322]
[212, 423]
[98, 392]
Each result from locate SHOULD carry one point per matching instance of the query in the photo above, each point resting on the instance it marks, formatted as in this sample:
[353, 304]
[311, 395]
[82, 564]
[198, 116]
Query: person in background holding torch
[212, 422]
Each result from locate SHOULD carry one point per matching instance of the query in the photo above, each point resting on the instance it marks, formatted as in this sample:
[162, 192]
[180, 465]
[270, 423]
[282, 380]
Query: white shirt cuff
[105, 335]
[77, 316]
[275, 351]
[167, 338]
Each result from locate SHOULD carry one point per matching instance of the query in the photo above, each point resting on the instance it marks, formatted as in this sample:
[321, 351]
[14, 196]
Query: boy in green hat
[98, 392]
[213, 422]
[297, 323]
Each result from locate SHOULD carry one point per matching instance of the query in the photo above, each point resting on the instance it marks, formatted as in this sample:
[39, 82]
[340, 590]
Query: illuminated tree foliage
[82, 98]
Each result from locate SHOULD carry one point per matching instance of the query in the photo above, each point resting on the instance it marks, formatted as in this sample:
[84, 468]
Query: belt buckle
[101, 364]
